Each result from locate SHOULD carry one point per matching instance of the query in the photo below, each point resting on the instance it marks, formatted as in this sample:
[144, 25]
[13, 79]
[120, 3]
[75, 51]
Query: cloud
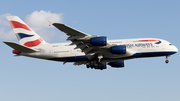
[3, 19]
[40, 19]
[5, 32]
[37, 20]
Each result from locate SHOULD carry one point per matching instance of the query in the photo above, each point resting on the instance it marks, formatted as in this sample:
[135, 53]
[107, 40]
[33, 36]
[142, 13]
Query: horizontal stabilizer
[20, 48]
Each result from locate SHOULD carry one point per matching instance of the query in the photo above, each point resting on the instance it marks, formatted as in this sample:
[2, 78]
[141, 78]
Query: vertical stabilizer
[24, 33]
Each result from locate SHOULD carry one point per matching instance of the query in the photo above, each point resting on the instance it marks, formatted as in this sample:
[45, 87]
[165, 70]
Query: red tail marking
[33, 43]
[16, 52]
[15, 24]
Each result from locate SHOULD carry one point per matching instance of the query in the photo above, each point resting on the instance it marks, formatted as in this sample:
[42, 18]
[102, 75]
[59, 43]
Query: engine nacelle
[120, 49]
[99, 41]
[117, 64]
[103, 66]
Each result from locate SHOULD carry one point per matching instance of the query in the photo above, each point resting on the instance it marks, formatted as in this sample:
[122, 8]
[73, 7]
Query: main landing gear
[96, 65]
[167, 61]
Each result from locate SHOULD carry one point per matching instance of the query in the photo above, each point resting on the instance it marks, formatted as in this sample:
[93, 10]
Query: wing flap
[20, 48]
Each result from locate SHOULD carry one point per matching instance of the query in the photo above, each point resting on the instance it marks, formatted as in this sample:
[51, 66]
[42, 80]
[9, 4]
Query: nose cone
[175, 49]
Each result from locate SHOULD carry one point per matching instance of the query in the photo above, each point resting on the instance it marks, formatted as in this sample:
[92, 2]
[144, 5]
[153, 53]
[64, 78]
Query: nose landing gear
[167, 61]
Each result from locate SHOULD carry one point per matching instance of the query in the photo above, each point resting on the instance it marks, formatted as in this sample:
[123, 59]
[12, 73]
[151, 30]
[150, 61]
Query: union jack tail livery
[24, 33]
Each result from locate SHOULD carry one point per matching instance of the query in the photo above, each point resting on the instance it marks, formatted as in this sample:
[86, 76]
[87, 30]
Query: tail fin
[24, 33]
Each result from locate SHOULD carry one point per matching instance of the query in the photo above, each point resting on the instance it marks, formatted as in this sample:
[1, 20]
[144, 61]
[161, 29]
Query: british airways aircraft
[94, 51]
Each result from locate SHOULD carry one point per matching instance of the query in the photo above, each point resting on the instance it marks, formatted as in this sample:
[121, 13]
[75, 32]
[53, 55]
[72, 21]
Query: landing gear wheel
[167, 61]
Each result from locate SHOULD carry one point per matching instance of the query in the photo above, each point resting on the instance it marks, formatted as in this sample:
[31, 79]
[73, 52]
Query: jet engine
[102, 66]
[120, 49]
[117, 64]
[99, 41]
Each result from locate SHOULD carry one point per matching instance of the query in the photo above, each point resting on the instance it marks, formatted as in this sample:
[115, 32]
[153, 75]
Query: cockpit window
[170, 44]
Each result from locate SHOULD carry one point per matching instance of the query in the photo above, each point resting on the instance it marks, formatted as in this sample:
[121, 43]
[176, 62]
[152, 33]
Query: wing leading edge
[68, 30]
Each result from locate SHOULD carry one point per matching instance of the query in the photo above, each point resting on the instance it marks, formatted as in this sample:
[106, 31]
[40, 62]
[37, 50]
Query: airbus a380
[94, 51]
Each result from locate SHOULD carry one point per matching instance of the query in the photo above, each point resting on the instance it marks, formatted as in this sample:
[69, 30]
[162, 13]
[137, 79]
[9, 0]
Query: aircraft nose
[175, 49]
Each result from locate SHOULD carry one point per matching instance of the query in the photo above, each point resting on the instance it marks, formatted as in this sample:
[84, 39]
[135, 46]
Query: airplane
[96, 52]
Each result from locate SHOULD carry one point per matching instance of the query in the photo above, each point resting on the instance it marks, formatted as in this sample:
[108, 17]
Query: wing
[92, 46]
[68, 30]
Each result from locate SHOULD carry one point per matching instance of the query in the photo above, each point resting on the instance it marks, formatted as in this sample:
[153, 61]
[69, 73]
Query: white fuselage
[66, 53]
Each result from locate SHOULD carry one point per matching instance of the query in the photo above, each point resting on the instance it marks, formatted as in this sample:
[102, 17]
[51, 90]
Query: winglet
[50, 23]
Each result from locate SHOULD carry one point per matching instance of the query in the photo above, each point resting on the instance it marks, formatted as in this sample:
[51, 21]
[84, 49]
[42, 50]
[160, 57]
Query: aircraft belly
[110, 59]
